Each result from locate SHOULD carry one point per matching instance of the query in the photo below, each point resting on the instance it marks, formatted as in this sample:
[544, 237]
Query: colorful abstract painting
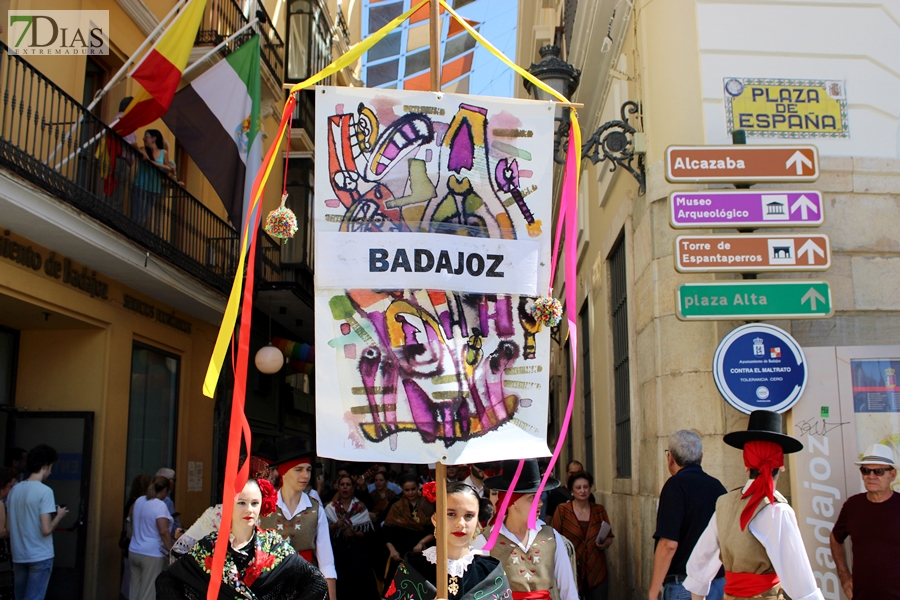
[432, 222]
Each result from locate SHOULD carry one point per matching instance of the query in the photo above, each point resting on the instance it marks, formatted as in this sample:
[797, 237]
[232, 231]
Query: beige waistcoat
[740, 551]
[300, 531]
[529, 571]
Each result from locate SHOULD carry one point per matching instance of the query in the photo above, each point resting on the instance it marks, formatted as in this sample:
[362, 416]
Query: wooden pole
[440, 532]
[440, 470]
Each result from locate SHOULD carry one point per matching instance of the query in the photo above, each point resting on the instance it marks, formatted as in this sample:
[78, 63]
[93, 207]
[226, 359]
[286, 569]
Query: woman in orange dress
[581, 521]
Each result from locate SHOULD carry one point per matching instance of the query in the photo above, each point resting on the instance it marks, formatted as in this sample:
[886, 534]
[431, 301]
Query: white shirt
[775, 526]
[478, 488]
[145, 539]
[562, 566]
[324, 555]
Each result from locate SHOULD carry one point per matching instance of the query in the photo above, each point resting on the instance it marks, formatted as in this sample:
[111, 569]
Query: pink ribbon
[568, 213]
[568, 218]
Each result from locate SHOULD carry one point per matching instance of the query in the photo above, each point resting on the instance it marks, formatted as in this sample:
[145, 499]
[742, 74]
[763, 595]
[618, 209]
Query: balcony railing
[53, 141]
[223, 17]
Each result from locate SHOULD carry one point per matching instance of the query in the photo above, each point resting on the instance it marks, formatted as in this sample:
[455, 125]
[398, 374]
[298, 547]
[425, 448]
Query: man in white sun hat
[872, 521]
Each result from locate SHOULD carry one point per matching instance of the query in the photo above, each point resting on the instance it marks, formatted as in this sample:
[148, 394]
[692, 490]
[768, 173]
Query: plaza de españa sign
[754, 300]
[741, 164]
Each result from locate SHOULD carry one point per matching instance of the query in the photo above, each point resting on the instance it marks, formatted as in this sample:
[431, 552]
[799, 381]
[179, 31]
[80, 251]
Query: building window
[619, 304]
[152, 411]
[584, 330]
[300, 186]
[9, 351]
[309, 41]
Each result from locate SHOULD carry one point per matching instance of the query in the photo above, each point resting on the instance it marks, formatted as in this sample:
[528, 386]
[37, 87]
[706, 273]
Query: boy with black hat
[536, 561]
[754, 532]
[299, 518]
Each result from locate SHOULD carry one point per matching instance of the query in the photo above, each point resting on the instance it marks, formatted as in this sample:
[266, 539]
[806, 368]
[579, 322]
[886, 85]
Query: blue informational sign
[760, 366]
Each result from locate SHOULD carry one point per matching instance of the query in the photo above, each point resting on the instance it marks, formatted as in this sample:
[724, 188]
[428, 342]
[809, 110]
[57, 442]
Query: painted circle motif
[760, 366]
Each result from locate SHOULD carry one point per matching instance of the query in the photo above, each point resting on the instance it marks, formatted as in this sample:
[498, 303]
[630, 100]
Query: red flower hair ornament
[429, 490]
[269, 497]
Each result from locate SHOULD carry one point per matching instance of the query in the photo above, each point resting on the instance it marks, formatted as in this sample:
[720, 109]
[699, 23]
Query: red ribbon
[535, 595]
[764, 457]
[747, 585]
[234, 478]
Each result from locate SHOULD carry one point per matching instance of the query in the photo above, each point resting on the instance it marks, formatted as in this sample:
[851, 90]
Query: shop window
[152, 411]
[9, 351]
[618, 301]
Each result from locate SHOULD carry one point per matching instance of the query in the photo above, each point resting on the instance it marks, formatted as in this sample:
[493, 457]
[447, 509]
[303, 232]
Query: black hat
[266, 451]
[764, 426]
[529, 479]
[291, 448]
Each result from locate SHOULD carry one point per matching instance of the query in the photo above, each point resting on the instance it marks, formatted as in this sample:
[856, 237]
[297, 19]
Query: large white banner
[432, 222]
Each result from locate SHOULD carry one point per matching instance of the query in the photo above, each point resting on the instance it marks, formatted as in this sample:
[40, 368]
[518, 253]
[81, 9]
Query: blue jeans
[676, 591]
[31, 579]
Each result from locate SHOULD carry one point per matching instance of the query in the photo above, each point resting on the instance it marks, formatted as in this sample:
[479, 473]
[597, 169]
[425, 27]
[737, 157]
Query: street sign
[746, 209]
[759, 366]
[754, 299]
[752, 253]
[741, 164]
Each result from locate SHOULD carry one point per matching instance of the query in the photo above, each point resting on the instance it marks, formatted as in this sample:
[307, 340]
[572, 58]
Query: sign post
[754, 300]
[746, 209]
[760, 366]
[752, 253]
[742, 164]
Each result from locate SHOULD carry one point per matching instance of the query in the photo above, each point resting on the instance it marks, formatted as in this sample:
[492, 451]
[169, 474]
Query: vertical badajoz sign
[432, 223]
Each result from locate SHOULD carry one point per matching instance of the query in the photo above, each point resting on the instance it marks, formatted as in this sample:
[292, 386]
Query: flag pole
[200, 60]
[150, 38]
[440, 469]
[116, 78]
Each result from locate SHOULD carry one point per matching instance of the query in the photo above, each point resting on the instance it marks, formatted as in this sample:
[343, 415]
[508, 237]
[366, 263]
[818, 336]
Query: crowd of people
[368, 531]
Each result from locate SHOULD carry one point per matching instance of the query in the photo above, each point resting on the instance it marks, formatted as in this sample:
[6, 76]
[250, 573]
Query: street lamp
[613, 141]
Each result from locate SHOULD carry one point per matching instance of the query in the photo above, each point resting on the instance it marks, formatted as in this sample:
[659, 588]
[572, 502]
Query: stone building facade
[671, 57]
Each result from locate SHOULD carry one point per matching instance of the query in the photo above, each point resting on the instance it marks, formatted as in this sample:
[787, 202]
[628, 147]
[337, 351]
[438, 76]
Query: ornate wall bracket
[613, 141]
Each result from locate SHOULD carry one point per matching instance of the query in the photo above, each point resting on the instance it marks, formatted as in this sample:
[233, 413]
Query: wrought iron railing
[223, 17]
[53, 141]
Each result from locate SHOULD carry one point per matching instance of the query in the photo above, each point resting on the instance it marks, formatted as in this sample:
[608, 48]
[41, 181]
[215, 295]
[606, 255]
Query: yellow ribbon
[229, 319]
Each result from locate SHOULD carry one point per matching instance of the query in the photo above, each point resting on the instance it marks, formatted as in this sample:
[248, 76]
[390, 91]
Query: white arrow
[798, 159]
[804, 204]
[812, 295]
[811, 249]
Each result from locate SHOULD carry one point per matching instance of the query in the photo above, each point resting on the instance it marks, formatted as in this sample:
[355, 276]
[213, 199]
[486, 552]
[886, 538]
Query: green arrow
[754, 300]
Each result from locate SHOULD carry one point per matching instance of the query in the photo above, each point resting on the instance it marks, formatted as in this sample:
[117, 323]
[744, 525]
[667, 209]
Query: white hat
[878, 454]
[167, 473]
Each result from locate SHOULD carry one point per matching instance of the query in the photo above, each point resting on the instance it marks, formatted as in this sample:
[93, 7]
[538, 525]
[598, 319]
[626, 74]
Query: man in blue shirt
[686, 503]
[33, 515]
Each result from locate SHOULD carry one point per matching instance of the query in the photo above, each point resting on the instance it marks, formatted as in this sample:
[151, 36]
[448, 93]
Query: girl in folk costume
[351, 537]
[754, 532]
[408, 524]
[259, 564]
[472, 574]
[298, 518]
[536, 561]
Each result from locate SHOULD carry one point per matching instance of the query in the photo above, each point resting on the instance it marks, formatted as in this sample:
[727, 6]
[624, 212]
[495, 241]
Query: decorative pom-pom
[269, 497]
[547, 311]
[429, 490]
[281, 222]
